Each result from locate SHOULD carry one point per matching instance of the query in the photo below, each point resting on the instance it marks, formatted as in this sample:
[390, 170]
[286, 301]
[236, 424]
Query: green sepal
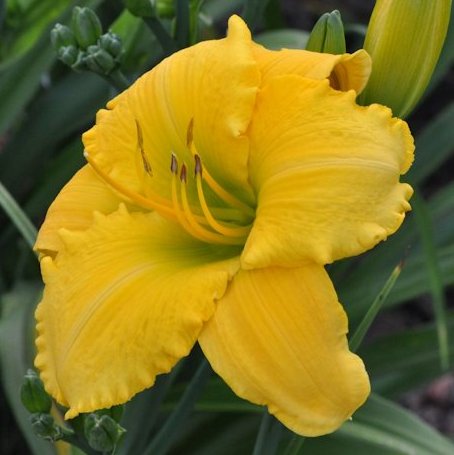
[86, 26]
[102, 432]
[33, 395]
[328, 35]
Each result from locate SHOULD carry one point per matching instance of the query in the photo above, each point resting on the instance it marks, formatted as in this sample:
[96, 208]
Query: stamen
[157, 203]
[223, 194]
[240, 232]
[146, 163]
[196, 228]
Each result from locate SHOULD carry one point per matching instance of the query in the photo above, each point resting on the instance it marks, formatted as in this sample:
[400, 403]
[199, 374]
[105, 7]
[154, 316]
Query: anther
[146, 163]
[173, 164]
[198, 165]
[183, 173]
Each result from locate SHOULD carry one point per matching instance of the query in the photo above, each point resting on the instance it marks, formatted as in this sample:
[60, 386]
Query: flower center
[201, 221]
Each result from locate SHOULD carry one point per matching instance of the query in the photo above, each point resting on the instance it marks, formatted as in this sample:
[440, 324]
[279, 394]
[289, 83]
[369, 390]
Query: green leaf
[253, 12]
[371, 314]
[424, 223]
[381, 427]
[166, 436]
[17, 216]
[16, 354]
[434, 146]
[405, 360]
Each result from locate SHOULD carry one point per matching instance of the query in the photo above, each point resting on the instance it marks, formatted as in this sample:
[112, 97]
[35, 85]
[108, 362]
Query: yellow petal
[73, 208]
[346, 72]
[213, 84]
[123, 302]
[278, 338]
[327, 174]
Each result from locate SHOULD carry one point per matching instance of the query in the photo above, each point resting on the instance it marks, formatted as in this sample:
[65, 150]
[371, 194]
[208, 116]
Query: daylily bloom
[217, 188]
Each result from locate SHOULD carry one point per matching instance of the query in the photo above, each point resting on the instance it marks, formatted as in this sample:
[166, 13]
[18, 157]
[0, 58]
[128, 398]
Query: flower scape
[217, 188]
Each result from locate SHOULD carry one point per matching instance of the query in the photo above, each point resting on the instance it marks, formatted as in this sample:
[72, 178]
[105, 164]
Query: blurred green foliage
[45, 106]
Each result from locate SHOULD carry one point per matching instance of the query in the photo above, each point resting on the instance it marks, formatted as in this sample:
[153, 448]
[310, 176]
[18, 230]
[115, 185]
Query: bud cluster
[100, 429]
[82, 46]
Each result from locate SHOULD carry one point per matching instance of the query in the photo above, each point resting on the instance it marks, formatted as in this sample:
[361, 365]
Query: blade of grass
[269, 435]
[166, 436]
[17, 216]
[424, 224]
[295, 445]
[371, 314]
[182, 22]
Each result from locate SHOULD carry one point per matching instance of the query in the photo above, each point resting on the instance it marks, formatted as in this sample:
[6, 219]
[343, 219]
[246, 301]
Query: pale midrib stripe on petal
[86, 316]
[341, 162]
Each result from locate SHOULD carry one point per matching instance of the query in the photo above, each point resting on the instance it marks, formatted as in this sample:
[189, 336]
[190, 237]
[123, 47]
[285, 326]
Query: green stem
[165, 437]
[118, 80]
[166, 41]
[424, 224]
[183, 23]
[360, 332]
[17, 216]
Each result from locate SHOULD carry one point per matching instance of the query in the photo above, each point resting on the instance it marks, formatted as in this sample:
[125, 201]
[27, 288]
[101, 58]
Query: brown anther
[146, 163]
[173, 164]
[183, 173]
[198, 165]
[189, 133]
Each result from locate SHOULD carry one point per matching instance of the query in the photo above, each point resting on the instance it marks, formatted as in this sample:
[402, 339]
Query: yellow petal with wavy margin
[278, 338]
[213, 83]
[327, 174]
[345, 72]
[73, 208]
[123, 302]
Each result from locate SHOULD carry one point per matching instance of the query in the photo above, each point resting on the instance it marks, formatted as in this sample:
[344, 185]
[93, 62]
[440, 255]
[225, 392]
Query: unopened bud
[111, 43]
[99, 61]
[68, 55]
[86, 26]
[102, 432]
[164, 8]
[328, 36]
[44, 426]
[404, 39]
[62, 36]
[33, 395]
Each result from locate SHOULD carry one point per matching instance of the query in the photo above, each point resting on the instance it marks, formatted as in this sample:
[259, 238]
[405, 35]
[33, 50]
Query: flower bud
[328, 36]
[404, 39]
[62, 36]
[99, 61]
[86, 26]
[68, 55]
[33, 395]
[102, 432]
[164, 8]
[44, 426]
[111, 43]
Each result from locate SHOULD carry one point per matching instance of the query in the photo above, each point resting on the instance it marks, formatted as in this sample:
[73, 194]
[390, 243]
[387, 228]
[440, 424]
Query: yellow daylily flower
[217, 188]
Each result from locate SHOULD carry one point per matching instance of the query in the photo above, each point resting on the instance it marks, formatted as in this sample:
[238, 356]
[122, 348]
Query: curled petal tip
[238, 28]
